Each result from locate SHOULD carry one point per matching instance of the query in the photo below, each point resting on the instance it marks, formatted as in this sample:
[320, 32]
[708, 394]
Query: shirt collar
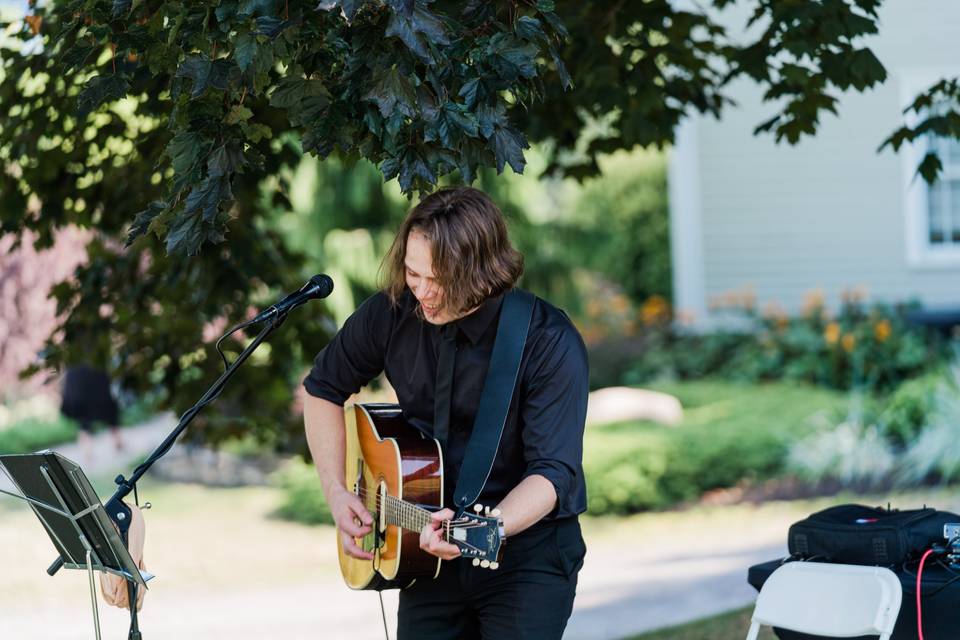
[476, 324]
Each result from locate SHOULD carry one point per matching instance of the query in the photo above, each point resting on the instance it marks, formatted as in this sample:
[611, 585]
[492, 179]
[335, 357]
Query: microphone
[319, 286]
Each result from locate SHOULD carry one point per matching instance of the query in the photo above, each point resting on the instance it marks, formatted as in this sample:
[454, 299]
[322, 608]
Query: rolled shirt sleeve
[554, 412]
[355, 355]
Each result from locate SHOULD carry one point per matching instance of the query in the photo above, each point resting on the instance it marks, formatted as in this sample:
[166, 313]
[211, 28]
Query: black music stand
[68, 508]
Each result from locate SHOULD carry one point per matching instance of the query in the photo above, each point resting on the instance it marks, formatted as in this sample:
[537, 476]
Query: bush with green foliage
[730, 433]
[35, 433]
[857, 347]
[903, 414]
[303, 499]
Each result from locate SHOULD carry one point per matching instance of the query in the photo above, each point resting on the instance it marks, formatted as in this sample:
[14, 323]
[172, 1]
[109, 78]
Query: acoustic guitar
[398, 474]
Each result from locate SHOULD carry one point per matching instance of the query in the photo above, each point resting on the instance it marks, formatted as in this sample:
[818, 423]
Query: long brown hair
[471, 252]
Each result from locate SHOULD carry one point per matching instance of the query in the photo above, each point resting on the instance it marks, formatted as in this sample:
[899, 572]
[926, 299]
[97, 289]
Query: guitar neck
[407, 515]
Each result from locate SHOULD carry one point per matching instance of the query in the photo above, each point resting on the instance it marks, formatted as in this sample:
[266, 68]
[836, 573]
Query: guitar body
[385, 456]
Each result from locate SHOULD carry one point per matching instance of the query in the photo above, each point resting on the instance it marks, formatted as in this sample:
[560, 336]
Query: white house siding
[826, 214]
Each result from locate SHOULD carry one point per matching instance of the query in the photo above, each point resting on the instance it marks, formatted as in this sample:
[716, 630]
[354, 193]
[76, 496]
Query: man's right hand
[352, 520]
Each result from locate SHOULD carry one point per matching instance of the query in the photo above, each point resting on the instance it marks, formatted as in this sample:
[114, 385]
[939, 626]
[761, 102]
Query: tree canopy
[170, 127]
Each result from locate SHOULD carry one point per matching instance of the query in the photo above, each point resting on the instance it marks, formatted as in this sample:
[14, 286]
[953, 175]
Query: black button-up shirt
[544, 429]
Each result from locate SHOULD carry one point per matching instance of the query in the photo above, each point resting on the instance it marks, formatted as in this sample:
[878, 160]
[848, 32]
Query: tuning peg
[495, 513]
[146, 505]
[478, 507]
[485, 564]
[476, 562]
[494, 565]
[486, 511]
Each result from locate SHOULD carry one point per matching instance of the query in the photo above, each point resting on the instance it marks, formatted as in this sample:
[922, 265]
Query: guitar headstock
[479, 536]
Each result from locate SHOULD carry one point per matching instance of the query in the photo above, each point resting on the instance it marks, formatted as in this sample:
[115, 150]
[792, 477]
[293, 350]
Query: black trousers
[529, 597]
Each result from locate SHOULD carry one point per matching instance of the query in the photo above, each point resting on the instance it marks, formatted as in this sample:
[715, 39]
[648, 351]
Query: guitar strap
[498, 390]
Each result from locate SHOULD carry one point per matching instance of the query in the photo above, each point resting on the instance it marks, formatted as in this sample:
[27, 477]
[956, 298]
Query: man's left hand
[432, 539]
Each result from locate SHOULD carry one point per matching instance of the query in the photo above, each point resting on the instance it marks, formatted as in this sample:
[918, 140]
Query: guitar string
[416, 517]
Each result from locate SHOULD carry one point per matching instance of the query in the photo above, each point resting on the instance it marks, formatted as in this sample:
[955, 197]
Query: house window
[943, 196]
[931, 211]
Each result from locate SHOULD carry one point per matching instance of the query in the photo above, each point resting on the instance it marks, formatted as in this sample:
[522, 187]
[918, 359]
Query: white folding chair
[833, 600]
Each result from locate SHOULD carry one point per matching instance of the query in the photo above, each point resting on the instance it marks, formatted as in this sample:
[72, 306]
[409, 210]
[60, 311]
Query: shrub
[303, 499]
[34, 433]
[730, 433]
[859, 347]
[935, 454]
[903, 415]
[33, 423]
[852, 452]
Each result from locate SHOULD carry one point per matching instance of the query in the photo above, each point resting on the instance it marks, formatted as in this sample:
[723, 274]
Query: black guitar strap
[498, 390]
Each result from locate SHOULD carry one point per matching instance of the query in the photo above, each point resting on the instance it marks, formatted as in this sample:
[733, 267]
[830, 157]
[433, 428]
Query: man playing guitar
[447, 272]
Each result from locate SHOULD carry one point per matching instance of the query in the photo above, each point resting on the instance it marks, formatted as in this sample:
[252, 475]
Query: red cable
[919, 574]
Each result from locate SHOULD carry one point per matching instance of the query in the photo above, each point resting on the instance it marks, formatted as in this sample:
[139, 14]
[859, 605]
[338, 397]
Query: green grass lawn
[728, 626]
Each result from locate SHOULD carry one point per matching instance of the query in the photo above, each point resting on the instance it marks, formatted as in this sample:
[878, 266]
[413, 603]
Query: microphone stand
[119, 512]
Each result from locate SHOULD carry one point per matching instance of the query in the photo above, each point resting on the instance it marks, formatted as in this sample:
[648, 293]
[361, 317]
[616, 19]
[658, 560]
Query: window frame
[921, 254]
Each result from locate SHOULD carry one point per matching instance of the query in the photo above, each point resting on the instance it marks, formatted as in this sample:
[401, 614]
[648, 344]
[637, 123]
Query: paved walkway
[628, 585]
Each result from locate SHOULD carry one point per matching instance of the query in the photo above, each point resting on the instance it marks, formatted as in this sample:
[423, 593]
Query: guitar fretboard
[401, 513]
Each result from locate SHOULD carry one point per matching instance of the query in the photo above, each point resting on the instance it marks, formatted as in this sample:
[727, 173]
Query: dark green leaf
[508, 145]
[205, 74]
[99, 90]
[270, 26]
[430, 26]
[237, 114]
[185, 235]
[184, 150]
[512, 58]
[393, 90]
[244, 50]
[390, 168]
[556, 23]
[141, 223]
[403, 7]
[225, 11]
[76, 56]
[469, 92]
[289, 93]
[930, 167]
[206, 196]
[225, 160]
[529, 28]
[250, 7]
[414, 166]
[464, 121]
[489, 118]
[120, 7]
[565, 78]
[401, 27]
[316, 99]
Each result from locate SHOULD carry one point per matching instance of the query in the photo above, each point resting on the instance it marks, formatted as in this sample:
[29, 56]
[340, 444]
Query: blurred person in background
[87, 399]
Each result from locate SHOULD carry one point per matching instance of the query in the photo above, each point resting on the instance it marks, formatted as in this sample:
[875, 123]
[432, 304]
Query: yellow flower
[654, 309]
[849, 342]
[832, 333]
[882, 330]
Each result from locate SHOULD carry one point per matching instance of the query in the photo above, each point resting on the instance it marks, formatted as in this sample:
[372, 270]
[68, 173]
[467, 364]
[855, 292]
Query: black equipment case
[855, 534]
